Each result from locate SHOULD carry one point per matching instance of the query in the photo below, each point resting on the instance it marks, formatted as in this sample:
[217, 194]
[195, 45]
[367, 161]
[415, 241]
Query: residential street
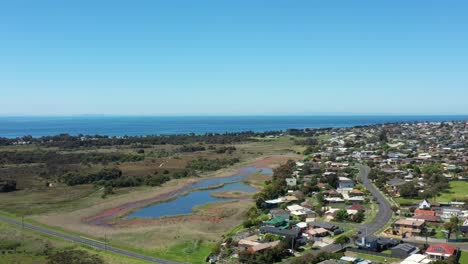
[384, 213]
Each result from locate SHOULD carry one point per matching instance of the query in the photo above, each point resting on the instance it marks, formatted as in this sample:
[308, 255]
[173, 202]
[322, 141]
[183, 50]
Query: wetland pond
[199, 193]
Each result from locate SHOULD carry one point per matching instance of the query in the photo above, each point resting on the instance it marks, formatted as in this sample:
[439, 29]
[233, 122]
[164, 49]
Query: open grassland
[184, 238]
[35, 247]
[458, 191]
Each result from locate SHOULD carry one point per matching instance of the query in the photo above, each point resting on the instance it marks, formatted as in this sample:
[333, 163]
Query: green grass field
[458, 192]
[407, 201]
[464, 257]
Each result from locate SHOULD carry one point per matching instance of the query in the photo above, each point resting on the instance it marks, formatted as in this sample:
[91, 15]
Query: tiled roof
[441, 249]
[424, 212]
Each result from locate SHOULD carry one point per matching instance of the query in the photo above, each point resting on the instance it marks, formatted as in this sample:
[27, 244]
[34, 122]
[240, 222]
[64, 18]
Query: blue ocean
[12, 127]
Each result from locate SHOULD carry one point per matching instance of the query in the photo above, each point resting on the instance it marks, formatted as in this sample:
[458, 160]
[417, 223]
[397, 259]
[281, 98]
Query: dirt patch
[272, 162]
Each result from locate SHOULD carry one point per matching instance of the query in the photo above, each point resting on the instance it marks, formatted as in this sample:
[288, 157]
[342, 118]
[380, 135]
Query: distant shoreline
[35, 126]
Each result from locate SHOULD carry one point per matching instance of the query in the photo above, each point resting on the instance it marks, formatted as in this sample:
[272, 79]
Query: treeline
[202, 164]
[69, 141]
[106, 174]
[191, 148]
[54, 157]
[114, 177]
[7, 186]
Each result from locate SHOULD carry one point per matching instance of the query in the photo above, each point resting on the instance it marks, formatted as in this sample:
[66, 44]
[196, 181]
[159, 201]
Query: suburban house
[395, 184]
[404, 250]
[426, 215]
[287, 233]
[408, 227]
[356, 192]
[328, 226]
[253, 244]
[345, 183]
[424, 204]
[279, 213]
[440, 251]
[280, 222]
[416, 259]
[316, 232]
[376, 244]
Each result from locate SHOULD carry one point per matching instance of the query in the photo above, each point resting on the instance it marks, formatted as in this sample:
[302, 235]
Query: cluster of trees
[54, 157]
[7, 186]
[195, 148]
[433, 177]
[112, 177]
[342, 216]
[102, 176]
[276, 187]
[191, 148]
[203, 164]
[225, 149]
[69, 141]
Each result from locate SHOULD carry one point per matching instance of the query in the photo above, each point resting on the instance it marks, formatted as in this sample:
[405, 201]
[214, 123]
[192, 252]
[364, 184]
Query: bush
[74, 257]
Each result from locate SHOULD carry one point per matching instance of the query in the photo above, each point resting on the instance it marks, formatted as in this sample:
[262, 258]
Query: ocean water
[152, 125]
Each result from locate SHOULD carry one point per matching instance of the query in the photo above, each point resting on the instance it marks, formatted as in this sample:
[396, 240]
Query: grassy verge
[34, 247]
[194, 251]
[378, 258]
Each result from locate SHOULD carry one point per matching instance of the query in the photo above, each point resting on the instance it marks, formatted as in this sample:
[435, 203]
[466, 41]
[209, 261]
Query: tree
[408, 190]
[359, 216]
[451, 226]
[342, 240]
[342, 215]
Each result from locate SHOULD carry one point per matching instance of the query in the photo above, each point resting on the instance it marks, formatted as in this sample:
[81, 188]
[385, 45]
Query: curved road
[87, 242]
[384, 213]
[383, 216]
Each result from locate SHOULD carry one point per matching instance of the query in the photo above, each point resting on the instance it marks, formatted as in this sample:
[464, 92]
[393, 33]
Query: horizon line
[235, 115]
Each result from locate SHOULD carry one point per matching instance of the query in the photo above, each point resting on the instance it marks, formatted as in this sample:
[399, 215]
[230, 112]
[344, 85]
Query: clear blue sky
[233, 57]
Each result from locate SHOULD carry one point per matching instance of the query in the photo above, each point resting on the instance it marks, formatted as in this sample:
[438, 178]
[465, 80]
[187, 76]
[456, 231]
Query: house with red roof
[424, 212]
[427, 218]
[427, 215]
[357, 207]
[440, 251]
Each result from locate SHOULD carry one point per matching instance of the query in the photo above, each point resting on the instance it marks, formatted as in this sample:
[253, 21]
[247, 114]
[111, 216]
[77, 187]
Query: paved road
[384, 213]
[88, 242]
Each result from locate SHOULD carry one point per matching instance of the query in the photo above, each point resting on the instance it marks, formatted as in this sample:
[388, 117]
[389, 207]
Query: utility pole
[22, 221]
